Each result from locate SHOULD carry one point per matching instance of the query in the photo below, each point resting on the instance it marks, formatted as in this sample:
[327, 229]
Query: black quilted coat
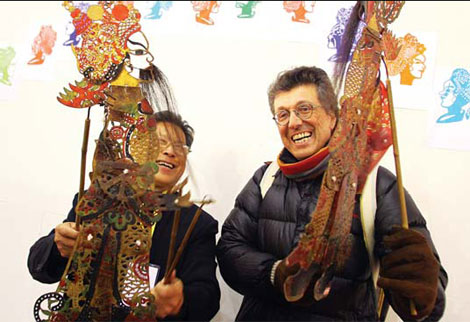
[260, 231]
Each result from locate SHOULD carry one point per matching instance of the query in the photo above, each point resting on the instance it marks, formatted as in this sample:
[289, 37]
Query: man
[263, 229]
[193, 293]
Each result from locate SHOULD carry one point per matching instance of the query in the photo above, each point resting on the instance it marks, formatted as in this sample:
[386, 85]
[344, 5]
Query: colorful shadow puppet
[43, 45]
[107, 275]
[6, 58]
[204, 10]
[299, 9]
[410, 63]
[455, 96]
[326, 244]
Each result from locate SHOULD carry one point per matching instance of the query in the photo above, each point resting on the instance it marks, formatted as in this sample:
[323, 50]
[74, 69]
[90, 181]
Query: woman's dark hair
[174, 118]
[304, 75]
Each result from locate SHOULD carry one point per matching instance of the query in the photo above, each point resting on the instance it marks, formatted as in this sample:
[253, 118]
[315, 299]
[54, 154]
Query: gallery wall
[220, 74]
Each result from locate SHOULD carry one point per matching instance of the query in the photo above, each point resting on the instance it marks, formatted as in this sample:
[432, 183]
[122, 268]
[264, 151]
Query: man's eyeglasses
[304, 112]
[178, 147]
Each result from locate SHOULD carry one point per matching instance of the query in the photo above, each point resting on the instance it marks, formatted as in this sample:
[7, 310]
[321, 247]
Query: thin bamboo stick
[171, 250]
[396, 154]
[186, 237]
[86, 134]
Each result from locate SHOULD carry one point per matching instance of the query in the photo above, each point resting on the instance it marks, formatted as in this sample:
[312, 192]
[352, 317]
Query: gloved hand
[409, 271]
[283, 271]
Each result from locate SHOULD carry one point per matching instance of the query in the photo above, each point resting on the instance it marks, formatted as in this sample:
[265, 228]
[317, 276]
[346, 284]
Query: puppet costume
[196, 268]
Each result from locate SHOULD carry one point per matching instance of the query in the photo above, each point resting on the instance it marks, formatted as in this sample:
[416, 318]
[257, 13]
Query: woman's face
[448, 95]
[417, 66]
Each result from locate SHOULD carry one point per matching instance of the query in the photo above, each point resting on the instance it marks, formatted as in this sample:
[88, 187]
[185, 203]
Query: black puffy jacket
[196, 267]
[260, 231]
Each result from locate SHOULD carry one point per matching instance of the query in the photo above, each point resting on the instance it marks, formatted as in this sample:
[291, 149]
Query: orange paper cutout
[410, 62]
[43, 44]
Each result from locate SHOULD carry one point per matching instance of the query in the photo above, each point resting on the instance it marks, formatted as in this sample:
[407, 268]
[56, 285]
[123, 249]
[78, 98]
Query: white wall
[220, 85]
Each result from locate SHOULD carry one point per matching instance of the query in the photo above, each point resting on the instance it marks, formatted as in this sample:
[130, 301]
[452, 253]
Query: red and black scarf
[306, 168]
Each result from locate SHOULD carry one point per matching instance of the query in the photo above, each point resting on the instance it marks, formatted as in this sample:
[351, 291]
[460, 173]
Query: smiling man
[171, 138]
[304, 125]
[192, 293]
[272, 210]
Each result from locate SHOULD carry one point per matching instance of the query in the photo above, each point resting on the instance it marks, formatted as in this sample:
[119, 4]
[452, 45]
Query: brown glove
[283, 272]
[409, 271]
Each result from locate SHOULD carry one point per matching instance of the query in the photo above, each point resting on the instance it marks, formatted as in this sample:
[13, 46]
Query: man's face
[171, 159]
[304, 138]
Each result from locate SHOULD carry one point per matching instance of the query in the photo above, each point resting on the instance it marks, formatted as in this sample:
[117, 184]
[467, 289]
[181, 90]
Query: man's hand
[409, 271]
[65, 236]
[169, 298]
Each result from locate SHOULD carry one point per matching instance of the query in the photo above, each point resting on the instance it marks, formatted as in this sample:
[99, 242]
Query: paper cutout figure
[6, 58]
[455, 96]
[75, 39]
[410, 63]
[43, 44]
[204, 10]
[334, 38]
[157, 9]
[299, 9]
[248, 8]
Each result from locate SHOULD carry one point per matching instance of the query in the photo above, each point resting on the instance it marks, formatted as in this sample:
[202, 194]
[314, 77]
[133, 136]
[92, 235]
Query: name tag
[153, 274]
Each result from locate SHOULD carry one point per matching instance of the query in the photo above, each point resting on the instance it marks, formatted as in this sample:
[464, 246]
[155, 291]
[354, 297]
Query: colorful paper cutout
[455, 97]
[337, 31]
[248, 8]
[299, 9]
[410, 62]
[204, 10]
[157, 9]
[6, 58]
[43, 45]
[74, 39]
[70, 31]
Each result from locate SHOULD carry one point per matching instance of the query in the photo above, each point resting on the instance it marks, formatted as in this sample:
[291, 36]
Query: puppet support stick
[396, 154]
[171, 250]
[86, 134]
[186, 238]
